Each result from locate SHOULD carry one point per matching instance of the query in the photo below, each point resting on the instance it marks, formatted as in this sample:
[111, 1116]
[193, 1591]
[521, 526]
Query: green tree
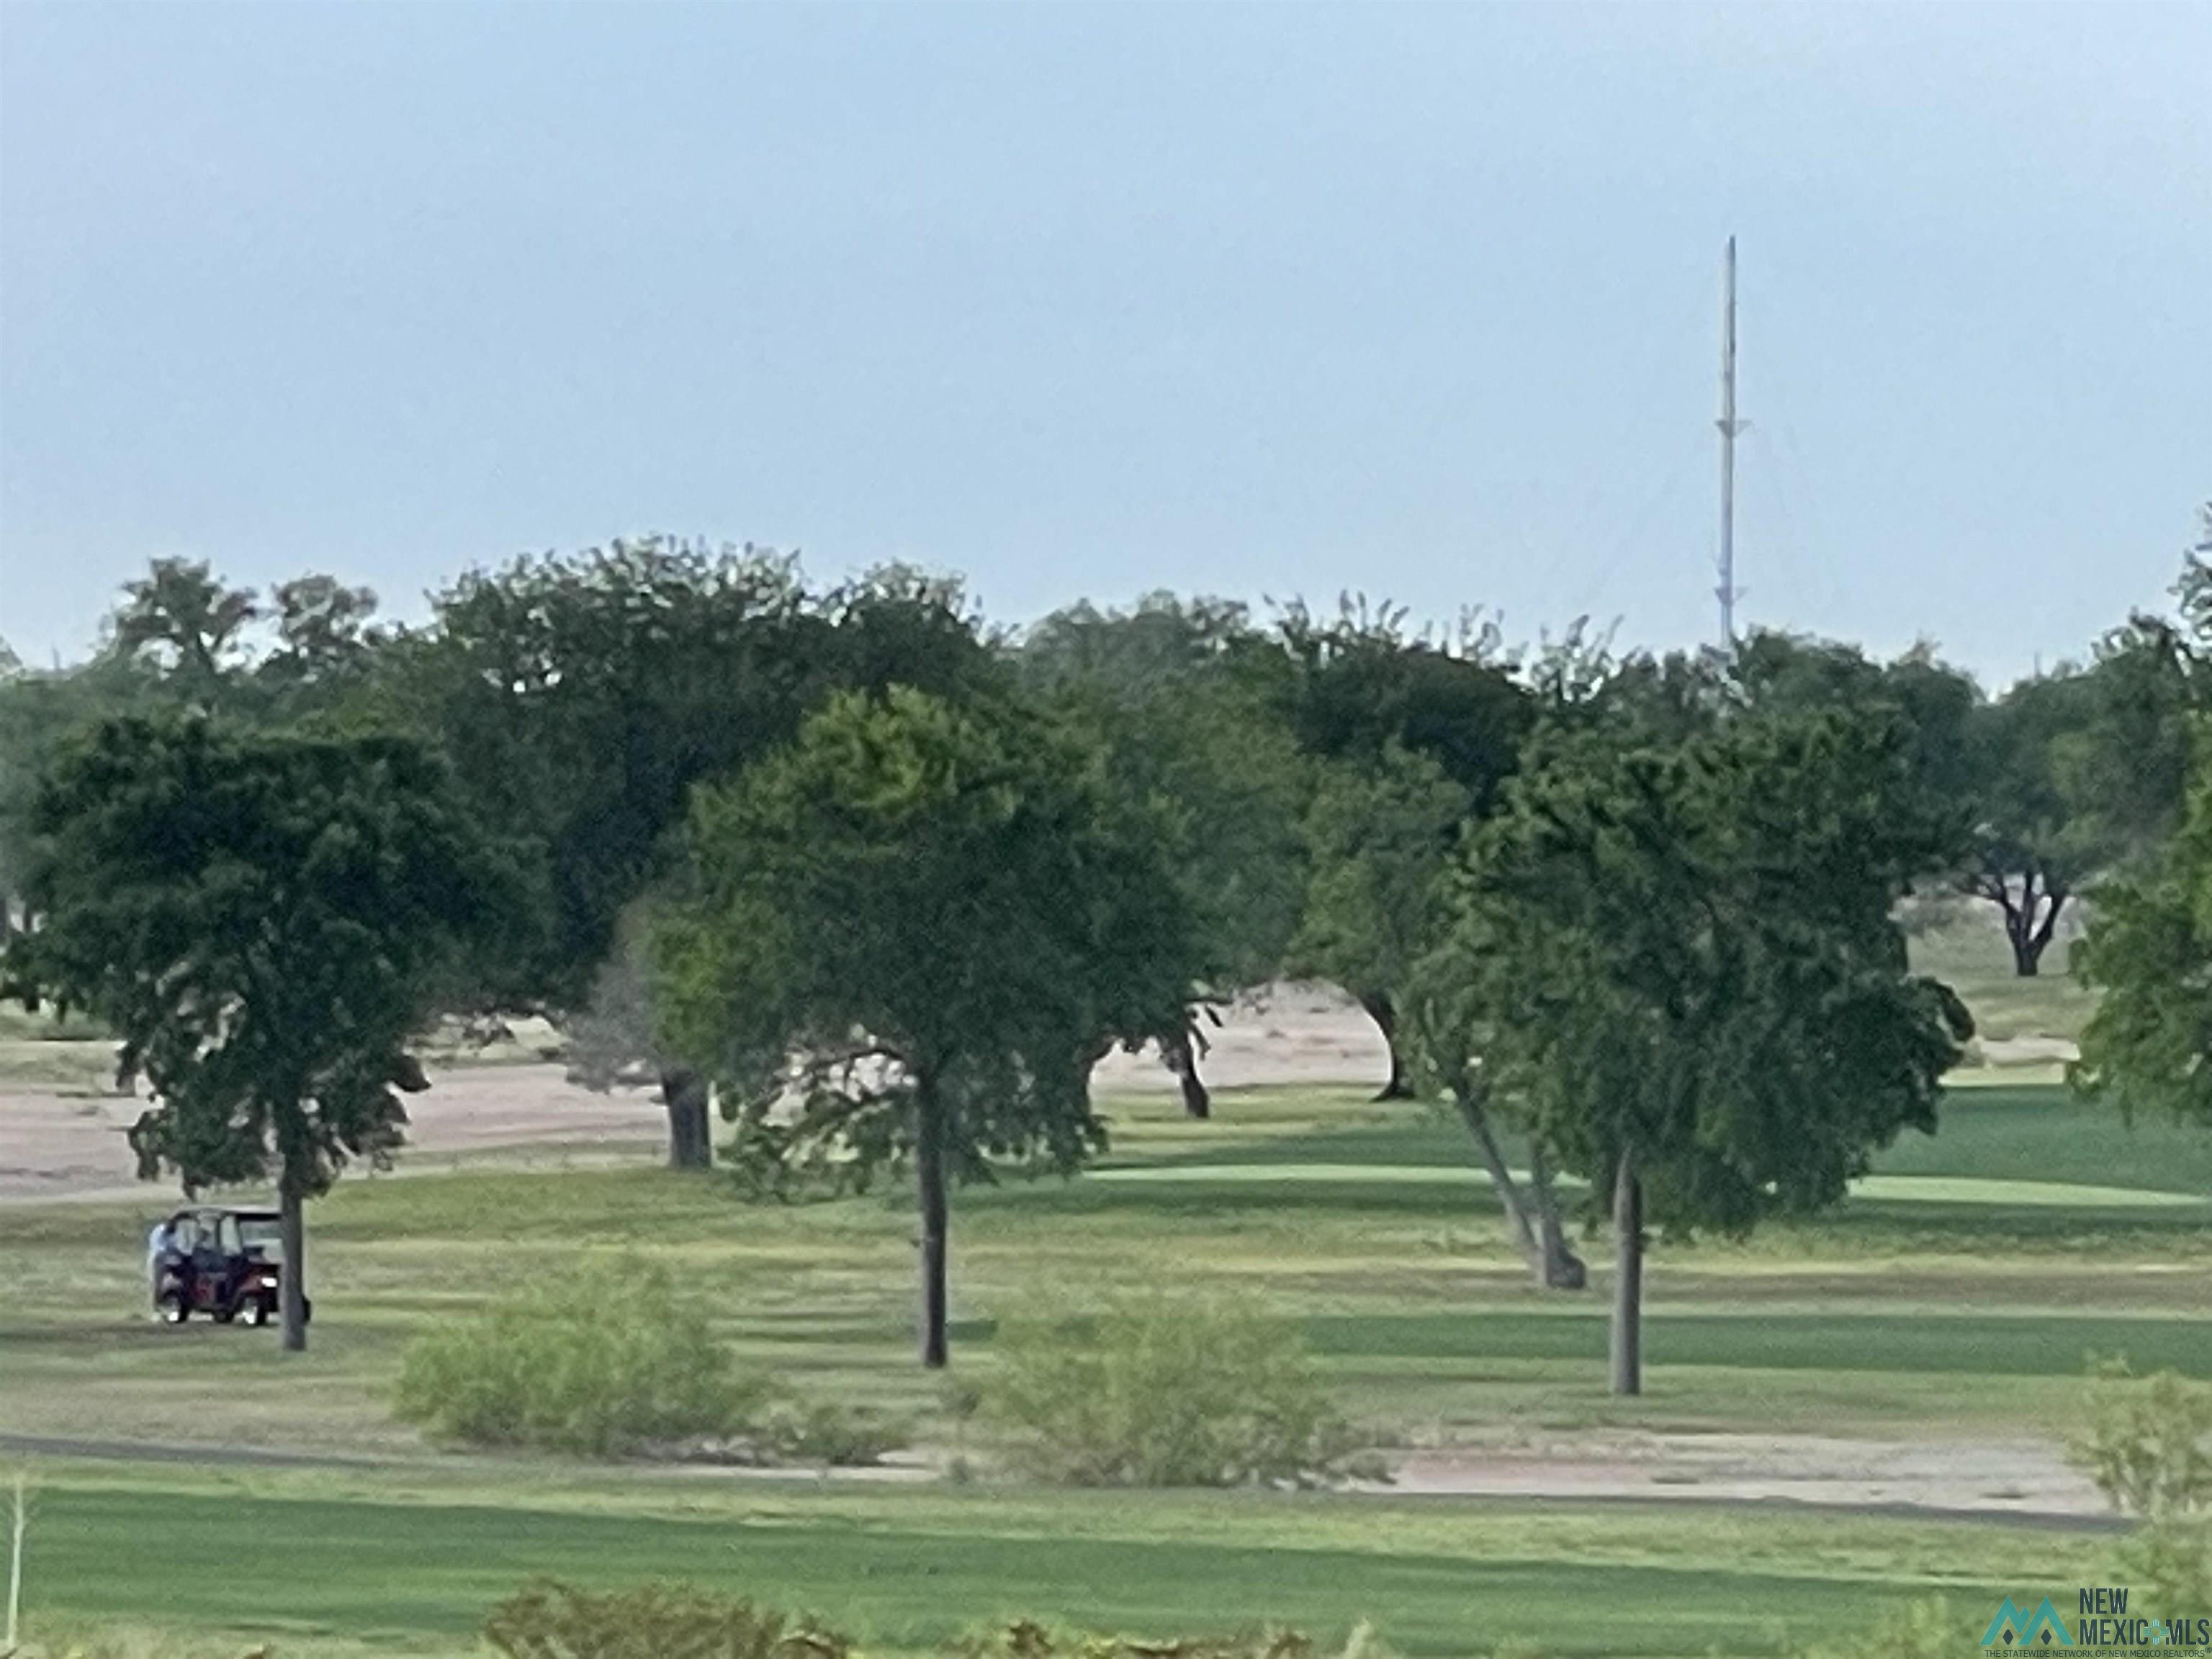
[2032, 850]
[1353, 690]
[581, 697]
[2149, 949]
[915, 932]
[326, 642]
[1379, 834]
[190, 629]
[1159, 689]
[1681, 961]
[261, 919]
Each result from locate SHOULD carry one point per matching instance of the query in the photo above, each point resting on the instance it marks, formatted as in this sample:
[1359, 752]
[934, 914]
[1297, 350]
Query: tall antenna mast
[1729, 427]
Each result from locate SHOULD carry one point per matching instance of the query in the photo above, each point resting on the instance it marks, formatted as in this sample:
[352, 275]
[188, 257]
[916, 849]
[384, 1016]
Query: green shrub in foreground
[553, 1621]
[2149, 1441]
[1164, 1391]
[603, 1359]
[654, 1621]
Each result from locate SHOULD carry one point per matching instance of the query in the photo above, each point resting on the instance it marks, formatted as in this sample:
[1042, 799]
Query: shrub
[655, 1621]
[2148, 1443]
[1164, 1391]
[603, 1359]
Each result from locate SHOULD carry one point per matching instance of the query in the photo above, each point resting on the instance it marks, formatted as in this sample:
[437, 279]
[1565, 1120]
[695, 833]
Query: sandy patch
[59, 1144]
[2021, 1477]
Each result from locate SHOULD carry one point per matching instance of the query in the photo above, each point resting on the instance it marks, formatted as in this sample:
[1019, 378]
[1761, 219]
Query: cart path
[1439, 1476]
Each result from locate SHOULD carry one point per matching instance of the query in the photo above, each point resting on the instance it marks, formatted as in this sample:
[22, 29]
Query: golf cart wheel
[170, 1307]
[260, 1311]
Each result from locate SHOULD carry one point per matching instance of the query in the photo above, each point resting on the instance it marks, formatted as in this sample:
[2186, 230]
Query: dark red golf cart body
[223, 1263]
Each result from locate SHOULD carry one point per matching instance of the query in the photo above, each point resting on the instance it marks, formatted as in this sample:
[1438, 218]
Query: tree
[1450, 1042]
[261, 919]
[183, 622]
[1681, 963]
[325, 642]
[1354, 689]
[915, 932]
[2149, 950]
[614, 1039]
[581, 698]
[1159, 689]
[1379, 836]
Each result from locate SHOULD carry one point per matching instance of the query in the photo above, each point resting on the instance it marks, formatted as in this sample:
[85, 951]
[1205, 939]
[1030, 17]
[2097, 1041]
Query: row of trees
[887, 883]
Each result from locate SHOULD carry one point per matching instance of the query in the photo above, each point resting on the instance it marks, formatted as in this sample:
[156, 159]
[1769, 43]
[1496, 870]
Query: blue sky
[1086, 301]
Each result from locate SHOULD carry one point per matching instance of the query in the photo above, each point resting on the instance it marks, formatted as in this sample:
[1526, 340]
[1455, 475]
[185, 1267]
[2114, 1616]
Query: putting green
[1888, 1188]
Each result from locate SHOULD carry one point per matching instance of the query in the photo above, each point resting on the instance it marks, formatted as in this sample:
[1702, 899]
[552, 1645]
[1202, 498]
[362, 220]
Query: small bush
[2148, 1443]
[656, 1621]
[1164, 1391]
[605, 1359]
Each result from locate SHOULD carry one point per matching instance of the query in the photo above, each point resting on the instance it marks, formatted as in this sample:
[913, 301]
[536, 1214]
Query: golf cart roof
[252, 1214]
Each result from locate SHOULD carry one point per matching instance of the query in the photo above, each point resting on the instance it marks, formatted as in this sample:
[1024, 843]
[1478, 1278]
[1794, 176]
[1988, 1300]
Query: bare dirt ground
[59, 1144]
[2024, 1478]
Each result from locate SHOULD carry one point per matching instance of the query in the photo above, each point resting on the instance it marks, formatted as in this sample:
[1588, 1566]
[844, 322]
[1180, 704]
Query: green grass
[414, 1570]
[1955, 1298]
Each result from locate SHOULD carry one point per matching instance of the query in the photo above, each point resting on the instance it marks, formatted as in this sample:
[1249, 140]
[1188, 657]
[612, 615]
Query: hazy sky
[1085, 302]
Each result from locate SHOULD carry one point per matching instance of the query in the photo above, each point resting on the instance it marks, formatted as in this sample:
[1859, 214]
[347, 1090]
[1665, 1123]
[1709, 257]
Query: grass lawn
[402, 1567]
[1955, 1296]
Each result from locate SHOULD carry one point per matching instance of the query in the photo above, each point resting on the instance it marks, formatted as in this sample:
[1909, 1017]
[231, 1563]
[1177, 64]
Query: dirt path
[2022, 1484]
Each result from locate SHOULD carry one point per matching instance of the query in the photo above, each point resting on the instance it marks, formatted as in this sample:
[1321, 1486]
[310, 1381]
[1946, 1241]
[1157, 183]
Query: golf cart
[221, 1263]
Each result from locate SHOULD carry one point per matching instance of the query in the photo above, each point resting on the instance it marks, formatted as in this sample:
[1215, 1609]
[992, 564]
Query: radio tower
[1729, 427]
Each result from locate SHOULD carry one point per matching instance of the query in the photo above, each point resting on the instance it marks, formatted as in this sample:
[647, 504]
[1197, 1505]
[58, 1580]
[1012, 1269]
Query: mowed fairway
[1946, 1312]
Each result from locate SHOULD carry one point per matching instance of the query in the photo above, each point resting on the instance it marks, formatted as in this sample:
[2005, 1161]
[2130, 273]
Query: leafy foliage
[2148, 1046]
[262, 920]
[1380, 837]
[2147, 1444]
[1175, 1390]
[1688, 953]
[1164, 693]
[604, 1360]
[579, 698]
[922, 925]
[654, 1621]
[257, 918]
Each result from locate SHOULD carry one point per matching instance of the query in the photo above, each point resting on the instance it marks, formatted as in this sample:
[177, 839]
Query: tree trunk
[1627, 1278]
[1532, 1216]
[2030, 934]
[690, 1145]
[292, 1231]
[1381, 1010]
[929, 1191]
[1501, 1178]
[1182, 1058]
[1559, 1269]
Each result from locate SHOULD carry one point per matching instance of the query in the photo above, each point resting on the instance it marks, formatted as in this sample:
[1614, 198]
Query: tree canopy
[1682, 966]
[913, 932]
[262, 920]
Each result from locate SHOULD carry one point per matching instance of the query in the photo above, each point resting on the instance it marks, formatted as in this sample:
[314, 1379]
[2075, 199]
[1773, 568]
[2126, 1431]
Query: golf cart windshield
[264, 1237]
